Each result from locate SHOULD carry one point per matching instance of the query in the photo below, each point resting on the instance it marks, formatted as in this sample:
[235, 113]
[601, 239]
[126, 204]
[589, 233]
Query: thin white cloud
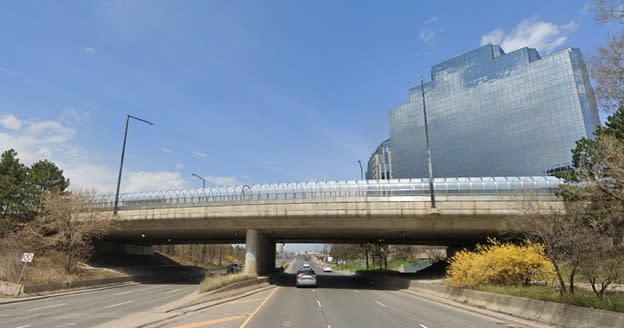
[223, 181]
[158, 180]
[73, 116]
[11, 122]
[166, 150]
[531, 32]
[86, 175]
[33, 140]
[431, 20]
[52, 140]
[199, 154]
[427, 35]
[179, 166]
[90, 51]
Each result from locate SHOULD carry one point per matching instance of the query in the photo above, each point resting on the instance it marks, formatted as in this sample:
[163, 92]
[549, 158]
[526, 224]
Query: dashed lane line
[118, 304]
[382, 305]
[46, 307]
[124, 293]
[172, 291]
[423, 326]
[319, 303]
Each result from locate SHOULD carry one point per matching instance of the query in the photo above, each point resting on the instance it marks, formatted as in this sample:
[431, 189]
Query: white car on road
[327, 268]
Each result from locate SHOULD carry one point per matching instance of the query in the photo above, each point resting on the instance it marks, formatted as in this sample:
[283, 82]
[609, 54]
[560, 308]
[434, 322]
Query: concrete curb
[42, 288]
[550, 313]
[63, 293]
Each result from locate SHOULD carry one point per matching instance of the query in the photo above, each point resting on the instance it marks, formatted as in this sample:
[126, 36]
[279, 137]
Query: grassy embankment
[47, 269]
[361, 265]
[215, 282]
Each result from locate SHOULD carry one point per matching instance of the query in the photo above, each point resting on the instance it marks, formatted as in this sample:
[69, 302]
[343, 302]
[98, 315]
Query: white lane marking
[356, 291]
[172, 291]
[423, 326]
[319, 303]
[46, 307]
[24, 326]
[313, 290]
[118, 304]
[382, 305]
[328, 326]
[124, 293]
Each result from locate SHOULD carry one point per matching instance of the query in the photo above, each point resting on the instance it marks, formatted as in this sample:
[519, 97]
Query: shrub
[500, 264]
[215, 282]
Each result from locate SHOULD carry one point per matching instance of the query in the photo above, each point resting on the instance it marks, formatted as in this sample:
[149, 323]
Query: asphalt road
[90, 308]
[338, 301]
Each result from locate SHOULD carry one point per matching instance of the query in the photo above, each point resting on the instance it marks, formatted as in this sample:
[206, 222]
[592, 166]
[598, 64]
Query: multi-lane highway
[88, 309]
[338, 301]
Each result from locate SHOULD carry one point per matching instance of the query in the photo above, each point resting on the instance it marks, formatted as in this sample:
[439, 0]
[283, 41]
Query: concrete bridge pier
[259, 253]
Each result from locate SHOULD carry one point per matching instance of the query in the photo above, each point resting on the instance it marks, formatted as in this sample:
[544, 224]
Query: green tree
[45, 176]
[15, 201]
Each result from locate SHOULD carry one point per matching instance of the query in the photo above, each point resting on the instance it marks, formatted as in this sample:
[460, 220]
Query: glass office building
[495, 114]
[380, 163]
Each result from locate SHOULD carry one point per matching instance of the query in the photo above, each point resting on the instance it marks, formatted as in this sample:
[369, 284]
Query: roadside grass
[361, 265]
[613, 301]
[217, 281]
[46, 269]
[355, 266]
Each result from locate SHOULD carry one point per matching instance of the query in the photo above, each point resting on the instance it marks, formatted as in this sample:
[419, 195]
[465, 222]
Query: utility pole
[422, 89]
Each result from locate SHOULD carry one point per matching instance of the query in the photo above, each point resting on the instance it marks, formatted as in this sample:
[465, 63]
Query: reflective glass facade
[495, 114]
[380, 163]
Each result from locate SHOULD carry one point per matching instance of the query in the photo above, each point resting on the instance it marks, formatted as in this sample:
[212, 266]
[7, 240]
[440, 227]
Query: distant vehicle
[234, 268]
[306, 265]
[327, 268]
[306, 277]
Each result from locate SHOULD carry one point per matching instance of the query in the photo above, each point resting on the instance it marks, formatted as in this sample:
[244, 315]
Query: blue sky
[239, 91]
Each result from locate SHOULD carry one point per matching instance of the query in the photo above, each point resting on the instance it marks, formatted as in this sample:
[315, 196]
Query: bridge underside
[431, 229]
[457, 221]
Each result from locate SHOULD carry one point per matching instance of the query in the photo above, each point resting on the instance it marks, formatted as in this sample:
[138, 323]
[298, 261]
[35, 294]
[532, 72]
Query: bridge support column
[251, 251]
[259, 253]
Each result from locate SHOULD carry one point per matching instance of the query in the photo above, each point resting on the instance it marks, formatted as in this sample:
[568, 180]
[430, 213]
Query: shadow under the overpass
[357, 281]
[374, 280]
[150, 269]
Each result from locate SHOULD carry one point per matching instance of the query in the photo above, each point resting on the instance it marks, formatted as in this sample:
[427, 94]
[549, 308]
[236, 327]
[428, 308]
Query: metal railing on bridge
[318, 190]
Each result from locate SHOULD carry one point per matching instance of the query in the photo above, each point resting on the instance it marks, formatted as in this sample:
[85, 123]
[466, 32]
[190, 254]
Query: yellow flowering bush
[500, 264]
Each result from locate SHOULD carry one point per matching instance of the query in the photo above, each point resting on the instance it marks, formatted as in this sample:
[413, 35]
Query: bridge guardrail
[318, 190]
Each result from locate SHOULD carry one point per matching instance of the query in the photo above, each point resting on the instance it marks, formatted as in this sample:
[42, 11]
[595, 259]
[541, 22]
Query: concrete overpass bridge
[358, 211]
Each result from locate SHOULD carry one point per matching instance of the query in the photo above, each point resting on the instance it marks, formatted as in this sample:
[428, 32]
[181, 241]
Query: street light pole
[123, 152]
[361, 170]
[422, 89]
[202, 179]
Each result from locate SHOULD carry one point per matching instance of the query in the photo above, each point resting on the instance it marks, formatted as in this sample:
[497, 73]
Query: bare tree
[68, 224]
[607, 67]
[603, 265]
[609, 10]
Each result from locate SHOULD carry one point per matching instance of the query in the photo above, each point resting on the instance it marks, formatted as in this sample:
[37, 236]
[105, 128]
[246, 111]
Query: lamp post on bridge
[361, 170]
[123, 151]
[422, 89]
[202, 179]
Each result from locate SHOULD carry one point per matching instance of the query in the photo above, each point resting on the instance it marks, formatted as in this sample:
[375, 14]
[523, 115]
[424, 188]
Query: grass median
[215, 282]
